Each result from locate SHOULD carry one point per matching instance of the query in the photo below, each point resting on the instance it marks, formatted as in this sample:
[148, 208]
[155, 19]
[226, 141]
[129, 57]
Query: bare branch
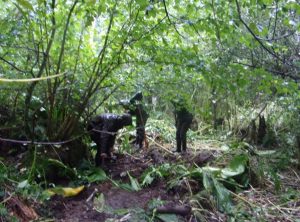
[12, 65]
[64, 36]
[253, 34]
[275, 23]
[167, 14]
[281, 74]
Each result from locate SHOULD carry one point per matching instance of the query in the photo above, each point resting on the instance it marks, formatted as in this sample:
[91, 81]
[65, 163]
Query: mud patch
[101, 202]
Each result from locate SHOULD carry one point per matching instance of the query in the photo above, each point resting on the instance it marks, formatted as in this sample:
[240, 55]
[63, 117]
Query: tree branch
[12, 65]
[275, 23]
[167, 14]
[64, 36]
[281, 74]
[253, 34]
[41, 70]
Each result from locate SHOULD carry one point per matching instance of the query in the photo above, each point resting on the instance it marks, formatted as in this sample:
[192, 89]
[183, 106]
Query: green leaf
[237, 166]
[167, 217]
[197, 173]
[143, 3]
[253, 27]
[223, 196]
[69, 171]
[276, 179]
[25, 4]
[97, 175]
[220, 193]
[23, 184]
[154, 203]
[124, 186]
[267, 2]
[121, 211]
[99, 203]
[148, 179]
[91, 2]
[134, 183]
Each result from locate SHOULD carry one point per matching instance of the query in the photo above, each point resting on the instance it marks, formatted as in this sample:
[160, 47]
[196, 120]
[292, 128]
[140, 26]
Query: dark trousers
[181, 129]
[140, 136]
[105, 143]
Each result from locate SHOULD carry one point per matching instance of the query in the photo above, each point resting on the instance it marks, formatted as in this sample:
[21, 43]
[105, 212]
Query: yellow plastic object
[65, 191]
[70, 192]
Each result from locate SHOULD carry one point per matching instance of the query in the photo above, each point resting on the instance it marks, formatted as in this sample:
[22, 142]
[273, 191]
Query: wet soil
[82, 207]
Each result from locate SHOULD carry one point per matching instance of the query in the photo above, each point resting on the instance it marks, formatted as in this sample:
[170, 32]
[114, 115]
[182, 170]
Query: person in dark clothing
[135, 108]
[103, 130]
[183, 121]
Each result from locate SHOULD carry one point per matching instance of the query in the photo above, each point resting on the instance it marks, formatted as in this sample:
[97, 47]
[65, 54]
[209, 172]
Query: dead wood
[181, 210]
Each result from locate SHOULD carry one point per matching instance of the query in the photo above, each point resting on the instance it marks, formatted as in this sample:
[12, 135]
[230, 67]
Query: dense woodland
[234, 63]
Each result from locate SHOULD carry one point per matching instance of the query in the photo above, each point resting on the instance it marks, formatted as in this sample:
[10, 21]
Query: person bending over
[103, 130]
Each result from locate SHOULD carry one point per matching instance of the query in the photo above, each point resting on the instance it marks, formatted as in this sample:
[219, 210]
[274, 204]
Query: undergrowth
[230, 188]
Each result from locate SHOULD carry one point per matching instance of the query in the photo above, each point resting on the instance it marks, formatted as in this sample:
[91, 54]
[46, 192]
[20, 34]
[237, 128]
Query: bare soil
[79, 209]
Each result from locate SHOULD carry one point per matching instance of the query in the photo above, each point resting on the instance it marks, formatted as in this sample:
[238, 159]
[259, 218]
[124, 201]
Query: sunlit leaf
[26, 4]
[23, 184]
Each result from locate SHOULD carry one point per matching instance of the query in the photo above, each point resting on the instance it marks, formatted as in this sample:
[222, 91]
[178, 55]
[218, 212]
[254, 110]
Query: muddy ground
[120, 204]
[107, 201]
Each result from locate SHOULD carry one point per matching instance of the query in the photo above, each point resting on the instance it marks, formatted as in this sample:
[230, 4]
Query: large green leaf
[221, 194]
[97, 175]
[167, 217]
[26, 4]
[236, 167]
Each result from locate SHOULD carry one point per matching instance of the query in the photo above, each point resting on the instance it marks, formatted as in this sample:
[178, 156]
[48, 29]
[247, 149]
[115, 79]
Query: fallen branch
[165, 149]
[21, 209]
[244, 199]
[10, 195]
[92, 195]
[181, 210]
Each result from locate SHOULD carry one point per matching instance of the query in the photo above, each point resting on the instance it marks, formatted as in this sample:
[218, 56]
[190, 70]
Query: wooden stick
[165, 149]
[181, 210]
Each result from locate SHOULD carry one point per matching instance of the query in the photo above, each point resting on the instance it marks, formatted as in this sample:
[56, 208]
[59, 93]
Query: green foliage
[134, 214]
[134, 183]
[4, 214]
[3, 173]
[167, 217]
[94, 175]
[133, 186]
[156, 172]
[236, 166]
[165, 129]
[222, 195]
[99, 203]
[115, 48]
[226, 59]
[126, 145]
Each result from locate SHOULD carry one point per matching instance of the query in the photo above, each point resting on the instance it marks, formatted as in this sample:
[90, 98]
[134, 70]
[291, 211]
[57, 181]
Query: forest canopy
[217, 48]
